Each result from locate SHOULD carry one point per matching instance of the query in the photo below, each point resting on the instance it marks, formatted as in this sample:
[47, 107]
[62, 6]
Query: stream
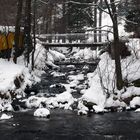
[66, 124]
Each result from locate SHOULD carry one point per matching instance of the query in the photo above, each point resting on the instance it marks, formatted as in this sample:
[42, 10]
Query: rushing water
[67, 125]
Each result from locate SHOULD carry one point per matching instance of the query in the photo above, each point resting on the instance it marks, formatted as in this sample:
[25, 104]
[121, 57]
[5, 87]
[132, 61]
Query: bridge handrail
[74, 34]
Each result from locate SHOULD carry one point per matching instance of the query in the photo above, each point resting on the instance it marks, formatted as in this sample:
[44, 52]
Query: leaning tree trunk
[17, 30]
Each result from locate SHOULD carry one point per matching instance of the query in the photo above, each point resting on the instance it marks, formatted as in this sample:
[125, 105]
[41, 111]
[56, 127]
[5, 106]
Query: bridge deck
[76, 63]
[94, 45]
[72, 40]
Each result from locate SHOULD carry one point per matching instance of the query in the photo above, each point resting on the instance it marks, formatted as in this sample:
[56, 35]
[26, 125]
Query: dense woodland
[52, 15]
[65, 16]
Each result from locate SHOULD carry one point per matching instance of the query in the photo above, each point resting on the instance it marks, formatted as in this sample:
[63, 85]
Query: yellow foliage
[7, 42]
[3, 42]
[10, 38]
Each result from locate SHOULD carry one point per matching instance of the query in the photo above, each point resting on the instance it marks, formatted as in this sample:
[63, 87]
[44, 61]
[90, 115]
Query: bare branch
[129, 21]
[44, 2]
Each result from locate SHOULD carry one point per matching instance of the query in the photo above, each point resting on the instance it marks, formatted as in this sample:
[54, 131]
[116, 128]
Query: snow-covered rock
[110, 102]
[95, 95]
[82, 109]
[33, 102]
[42, 112]
[86, 54]
[98, 109]
[135, 102]
[63, 100]
[137, 110]
[5, 117]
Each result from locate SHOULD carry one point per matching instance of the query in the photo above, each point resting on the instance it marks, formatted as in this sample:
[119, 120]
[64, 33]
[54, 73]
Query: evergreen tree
[133, 18]
[79, 15]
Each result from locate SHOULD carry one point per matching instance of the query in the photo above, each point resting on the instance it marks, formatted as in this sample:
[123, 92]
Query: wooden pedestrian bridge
[74, 40]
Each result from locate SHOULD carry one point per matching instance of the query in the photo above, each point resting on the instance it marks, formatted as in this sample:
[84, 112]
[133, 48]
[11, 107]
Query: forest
[70, 67]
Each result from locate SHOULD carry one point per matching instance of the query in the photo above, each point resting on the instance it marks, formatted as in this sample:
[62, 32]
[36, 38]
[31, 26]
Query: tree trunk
[95, 22]
[34, 33]
[27, 31]
[17, 30]
[113, 15]
[100, 22]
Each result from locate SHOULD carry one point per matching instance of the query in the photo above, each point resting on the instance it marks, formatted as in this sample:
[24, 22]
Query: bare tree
[95, 20]
[34, 32]
[27, 31]
[116, 47]
[100, 21]
[17, 30]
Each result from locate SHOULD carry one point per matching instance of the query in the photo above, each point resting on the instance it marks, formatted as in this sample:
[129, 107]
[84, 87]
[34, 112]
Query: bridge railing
[72, 38]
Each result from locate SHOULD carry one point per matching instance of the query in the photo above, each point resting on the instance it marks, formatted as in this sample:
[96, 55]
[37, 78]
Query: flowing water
[67, 125]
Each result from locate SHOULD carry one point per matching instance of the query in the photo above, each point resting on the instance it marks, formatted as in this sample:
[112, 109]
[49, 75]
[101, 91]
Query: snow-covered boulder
[86, 54]
[114, 103]
[95, 95]
[135, 102]
[42, 112]
[82, 109]
[65, 100]
[33, 102]
[5, 117]
[137, 110]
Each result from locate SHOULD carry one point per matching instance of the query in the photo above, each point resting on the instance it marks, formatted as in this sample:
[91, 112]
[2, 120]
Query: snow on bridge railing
[72, 38]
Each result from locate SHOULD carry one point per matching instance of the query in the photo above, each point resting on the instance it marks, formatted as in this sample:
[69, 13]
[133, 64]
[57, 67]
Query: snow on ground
[57, 74]
[9, 72]
[86, 54]
[102, 83]
[13, 80]
[43, 57]
[15, 77]
[40, 56]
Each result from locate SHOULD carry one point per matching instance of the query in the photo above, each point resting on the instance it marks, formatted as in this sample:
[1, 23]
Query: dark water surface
[66, 125]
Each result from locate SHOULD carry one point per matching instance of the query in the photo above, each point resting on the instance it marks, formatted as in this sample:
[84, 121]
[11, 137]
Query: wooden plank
[76, 63]
[94, 45]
